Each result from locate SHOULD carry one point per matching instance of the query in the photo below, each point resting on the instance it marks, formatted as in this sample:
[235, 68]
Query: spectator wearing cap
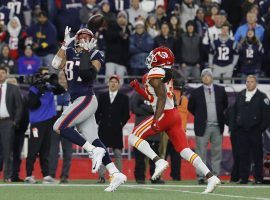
[165, 39]
[14, 36]
[135, 11]
[44, 39]
[87, 11]
[117, 43]
[140, 44]
[188, 12]
[241, 32]
[112, 114]
[29, 63]
[161, 16]
[190, 59]
[6, 61]
[207, 104]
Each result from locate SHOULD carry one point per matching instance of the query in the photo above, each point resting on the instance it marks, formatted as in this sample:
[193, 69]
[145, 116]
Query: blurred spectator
[87, 11]
[201, 25]
[112, 114]
[44, 39]
[119, 5]
[175, 27]
[209, 19]
[117, 42]
[174, 5]
[140, 44]
[10, 116]
[190, 44]
[234, 10]
[28, 63]
[142, 109]
[207, 103]
[62, 101]
[251, 53]
[19, 135]
[6, 61]
[250, 118]
[109, 16]
[188, 12]
[151, 26]
[223, 55]
[14, 36]
[241, 32]
[206, 5]
[42, 111]
[165, 39]
[67, 15]
[247, 6]
[135, 11]
[160, 15]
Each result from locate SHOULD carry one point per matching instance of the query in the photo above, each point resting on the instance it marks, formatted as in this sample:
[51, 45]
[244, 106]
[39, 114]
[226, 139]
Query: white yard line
[199, 193]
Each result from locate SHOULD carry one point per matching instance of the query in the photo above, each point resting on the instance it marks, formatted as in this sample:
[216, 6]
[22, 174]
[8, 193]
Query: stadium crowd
[231, 37]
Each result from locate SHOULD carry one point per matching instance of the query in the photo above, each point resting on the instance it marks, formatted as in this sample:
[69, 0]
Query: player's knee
[132, 139]
[186, 153]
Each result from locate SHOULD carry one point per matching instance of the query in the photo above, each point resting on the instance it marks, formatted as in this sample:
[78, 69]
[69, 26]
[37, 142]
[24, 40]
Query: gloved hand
[155, 125]
[135, 84]
[67, 38]
[88, 46]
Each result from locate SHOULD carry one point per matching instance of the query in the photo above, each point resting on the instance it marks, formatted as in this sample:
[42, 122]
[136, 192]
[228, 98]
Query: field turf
[88, 190]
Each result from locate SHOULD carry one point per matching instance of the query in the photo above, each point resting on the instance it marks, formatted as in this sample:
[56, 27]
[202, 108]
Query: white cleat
[161, 165]
[213, 182]
[117, 179]
[30, 180]
[49, 180]
[97, 155]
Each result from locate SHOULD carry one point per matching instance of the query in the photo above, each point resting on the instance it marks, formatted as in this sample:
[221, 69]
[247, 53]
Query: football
[95, 22]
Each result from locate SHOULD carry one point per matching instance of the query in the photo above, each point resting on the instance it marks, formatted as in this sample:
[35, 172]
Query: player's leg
[117, 178]
[136, 139]
[76, 113]
[178, 138]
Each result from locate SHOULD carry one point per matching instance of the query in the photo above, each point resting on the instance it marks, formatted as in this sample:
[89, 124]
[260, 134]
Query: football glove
[155, 125]
[67, 38]
[88, 46]
[136, 86]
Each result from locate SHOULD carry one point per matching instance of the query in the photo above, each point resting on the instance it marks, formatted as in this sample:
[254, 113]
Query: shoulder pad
[156, 72]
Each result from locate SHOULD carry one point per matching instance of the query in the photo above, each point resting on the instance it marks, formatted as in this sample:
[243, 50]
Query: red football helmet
[83, 33]
[160, 57]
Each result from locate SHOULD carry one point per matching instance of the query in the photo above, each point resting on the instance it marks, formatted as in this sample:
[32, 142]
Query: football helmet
[160, 57]
[83, 34]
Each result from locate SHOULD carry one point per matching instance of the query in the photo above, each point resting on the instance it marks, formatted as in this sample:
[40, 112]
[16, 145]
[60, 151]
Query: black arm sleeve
[33, 101]
[87, 71]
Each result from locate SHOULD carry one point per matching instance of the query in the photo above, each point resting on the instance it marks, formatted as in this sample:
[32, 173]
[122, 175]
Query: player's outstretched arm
[136, 86]
[59, 59]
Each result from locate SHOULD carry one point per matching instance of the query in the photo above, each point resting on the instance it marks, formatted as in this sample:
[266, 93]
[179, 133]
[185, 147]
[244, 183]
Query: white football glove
[88, 46]
[68, 39]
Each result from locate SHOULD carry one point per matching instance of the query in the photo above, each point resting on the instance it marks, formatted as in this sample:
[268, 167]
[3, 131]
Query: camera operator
[42, 111]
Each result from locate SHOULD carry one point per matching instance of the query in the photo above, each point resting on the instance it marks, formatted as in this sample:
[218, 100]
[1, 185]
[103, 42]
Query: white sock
[195, 160]
[88, 147]
[111, 168]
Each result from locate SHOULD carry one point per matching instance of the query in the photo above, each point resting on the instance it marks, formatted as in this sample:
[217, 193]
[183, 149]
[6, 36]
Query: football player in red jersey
[159, 91]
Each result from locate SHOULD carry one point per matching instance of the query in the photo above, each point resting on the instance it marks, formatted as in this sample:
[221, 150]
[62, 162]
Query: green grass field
[87, 190]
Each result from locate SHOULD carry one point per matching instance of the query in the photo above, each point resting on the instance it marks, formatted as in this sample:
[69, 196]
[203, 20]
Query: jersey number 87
[69, 70]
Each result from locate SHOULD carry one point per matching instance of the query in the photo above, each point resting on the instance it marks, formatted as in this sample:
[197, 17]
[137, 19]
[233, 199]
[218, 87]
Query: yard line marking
[131, 185]
[199, 193]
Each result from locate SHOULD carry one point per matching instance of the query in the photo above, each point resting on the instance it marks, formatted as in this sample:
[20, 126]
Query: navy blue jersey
[77, 87]
[251, 57]
[4, 14]
[223, 52]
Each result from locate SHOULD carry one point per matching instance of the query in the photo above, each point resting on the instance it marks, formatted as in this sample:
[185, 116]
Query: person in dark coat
[207, 104]
[112, 114]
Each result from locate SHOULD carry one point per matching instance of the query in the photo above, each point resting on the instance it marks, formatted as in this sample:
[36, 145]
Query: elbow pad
[56, 62]
[89, 74]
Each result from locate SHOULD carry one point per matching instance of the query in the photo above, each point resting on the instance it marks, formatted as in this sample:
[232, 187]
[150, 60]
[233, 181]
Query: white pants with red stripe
[80, 114]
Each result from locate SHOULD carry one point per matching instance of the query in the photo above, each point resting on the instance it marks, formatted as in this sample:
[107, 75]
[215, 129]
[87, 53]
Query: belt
[4, 118]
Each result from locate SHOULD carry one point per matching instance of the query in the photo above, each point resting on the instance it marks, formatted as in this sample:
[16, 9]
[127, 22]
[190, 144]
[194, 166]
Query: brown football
[95, 22]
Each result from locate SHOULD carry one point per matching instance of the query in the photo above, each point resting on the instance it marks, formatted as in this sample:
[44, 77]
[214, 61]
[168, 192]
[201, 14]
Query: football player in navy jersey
[223, 54]
[251, 52]
[81, 65]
